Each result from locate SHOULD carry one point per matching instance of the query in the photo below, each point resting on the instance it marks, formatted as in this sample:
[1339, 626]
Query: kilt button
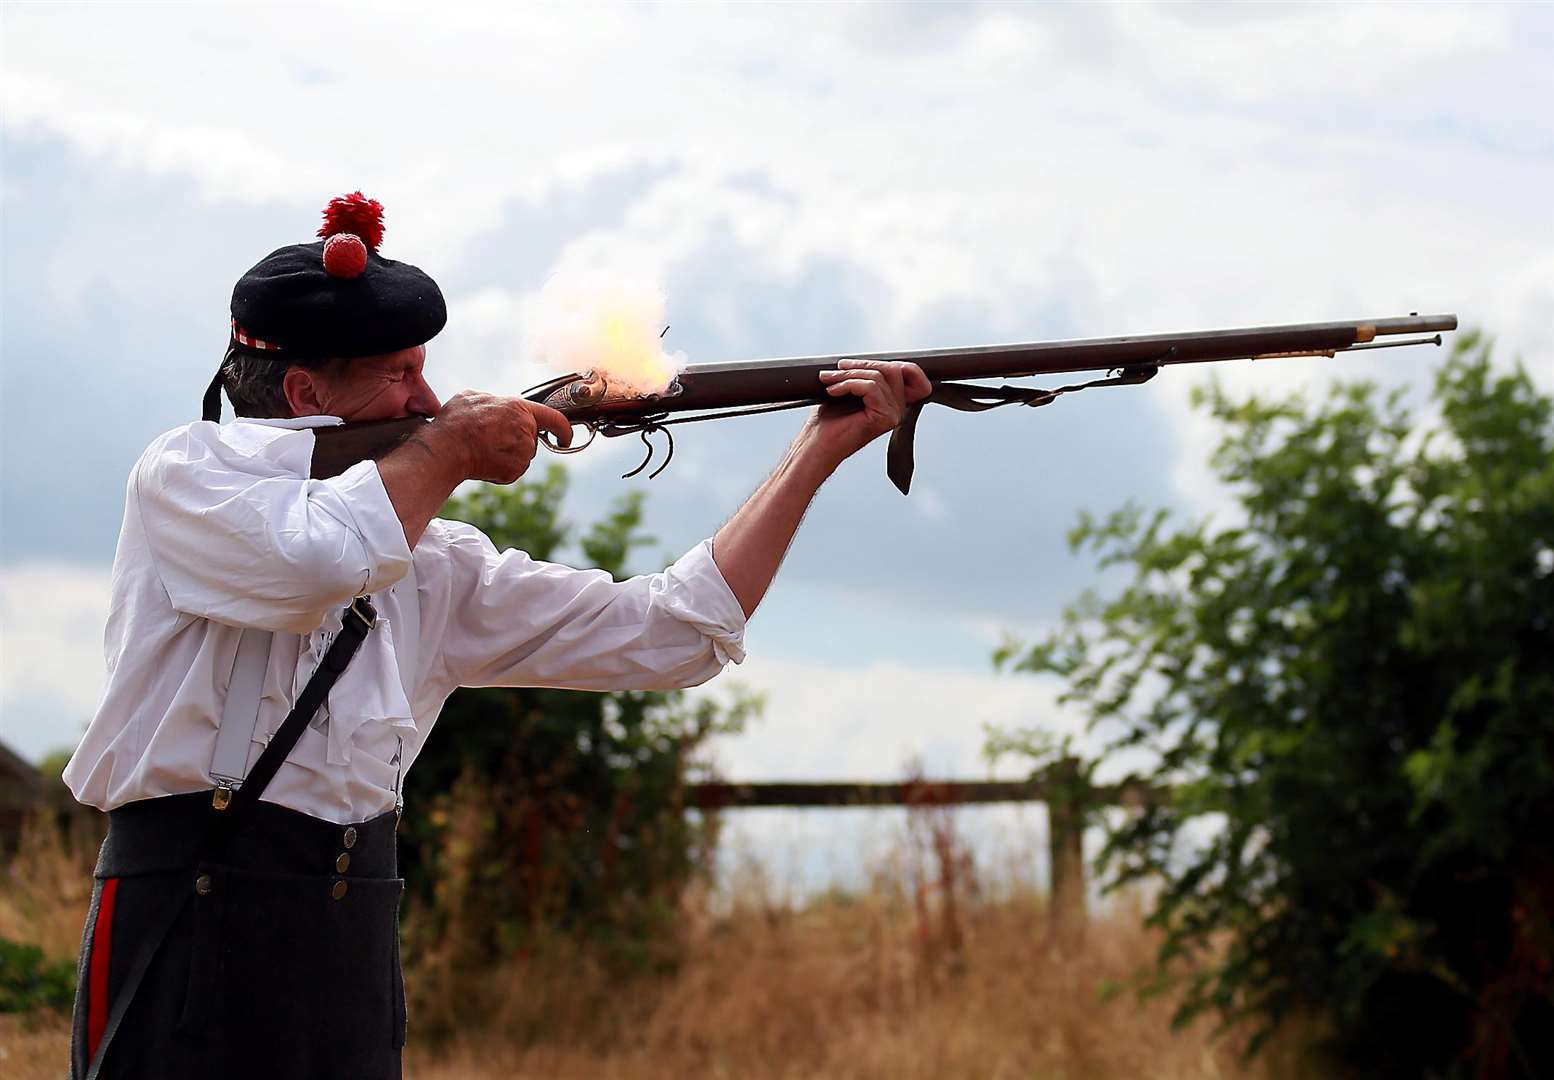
[343, 863]
[338, 892]
[350, 836]
[202, 885]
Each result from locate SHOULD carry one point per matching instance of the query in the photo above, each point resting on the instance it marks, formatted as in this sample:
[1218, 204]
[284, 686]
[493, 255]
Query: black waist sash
[157, 836]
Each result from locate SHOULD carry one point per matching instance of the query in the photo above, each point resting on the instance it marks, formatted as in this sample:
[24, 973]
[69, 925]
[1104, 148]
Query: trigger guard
[548, 441]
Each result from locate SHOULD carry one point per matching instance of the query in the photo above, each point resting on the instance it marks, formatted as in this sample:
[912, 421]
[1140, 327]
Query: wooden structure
[1069, 798]
[22, 790]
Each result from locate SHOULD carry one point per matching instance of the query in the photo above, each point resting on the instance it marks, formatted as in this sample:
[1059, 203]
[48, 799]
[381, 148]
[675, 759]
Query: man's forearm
[418, 479]
[750, 547]
[475, 437]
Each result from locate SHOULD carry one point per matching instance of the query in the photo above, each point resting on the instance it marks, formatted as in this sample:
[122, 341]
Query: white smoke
[608, 321]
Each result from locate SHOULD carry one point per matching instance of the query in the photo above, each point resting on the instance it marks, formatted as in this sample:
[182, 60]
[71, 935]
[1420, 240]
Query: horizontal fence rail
[733, 795]
[1069, 797]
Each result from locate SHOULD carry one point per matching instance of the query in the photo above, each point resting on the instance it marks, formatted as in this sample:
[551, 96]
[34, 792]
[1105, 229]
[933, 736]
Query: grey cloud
[1007, 484]
[996, 492]
[311, 75]
[914, 29]
[39, 724]
[89, 379]
[531, 234]
[758, 182]
[1091, 34]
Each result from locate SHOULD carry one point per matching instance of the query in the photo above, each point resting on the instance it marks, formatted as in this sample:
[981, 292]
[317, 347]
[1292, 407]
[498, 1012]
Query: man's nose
[423, 400]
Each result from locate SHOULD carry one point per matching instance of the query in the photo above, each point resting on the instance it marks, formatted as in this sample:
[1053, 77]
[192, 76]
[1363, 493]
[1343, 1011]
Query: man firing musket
[280, 647]
[289, 616]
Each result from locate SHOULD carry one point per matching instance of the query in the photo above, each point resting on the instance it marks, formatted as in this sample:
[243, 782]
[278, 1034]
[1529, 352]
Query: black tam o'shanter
[337, 298]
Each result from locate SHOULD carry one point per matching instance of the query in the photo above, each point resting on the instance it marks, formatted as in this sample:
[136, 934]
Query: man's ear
[304, 390]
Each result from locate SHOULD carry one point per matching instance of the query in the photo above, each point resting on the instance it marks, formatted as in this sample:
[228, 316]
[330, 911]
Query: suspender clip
[222, 796]
[364, 612]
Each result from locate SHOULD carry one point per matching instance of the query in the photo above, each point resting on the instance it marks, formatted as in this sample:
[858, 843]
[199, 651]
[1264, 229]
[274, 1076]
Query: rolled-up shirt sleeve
[248, 539]
[511, 620]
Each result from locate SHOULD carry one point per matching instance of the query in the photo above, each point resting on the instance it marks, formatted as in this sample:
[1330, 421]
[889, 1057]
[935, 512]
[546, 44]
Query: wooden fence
[1069, 797]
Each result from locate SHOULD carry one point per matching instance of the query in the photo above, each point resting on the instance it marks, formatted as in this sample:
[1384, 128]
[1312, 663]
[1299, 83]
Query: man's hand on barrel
[884, 389]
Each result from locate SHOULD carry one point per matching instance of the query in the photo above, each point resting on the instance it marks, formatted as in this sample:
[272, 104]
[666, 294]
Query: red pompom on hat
[354, 214]
[345, 255]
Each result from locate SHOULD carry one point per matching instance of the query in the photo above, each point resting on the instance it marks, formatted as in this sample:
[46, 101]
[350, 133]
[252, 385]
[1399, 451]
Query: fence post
[1066, 805]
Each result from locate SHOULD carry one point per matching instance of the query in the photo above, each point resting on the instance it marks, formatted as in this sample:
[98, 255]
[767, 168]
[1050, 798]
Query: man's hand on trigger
[494, 438]
[885, 389]
[474, 436]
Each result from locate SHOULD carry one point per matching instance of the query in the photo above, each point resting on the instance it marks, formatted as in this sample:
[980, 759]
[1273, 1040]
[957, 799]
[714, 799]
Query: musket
[715, 391]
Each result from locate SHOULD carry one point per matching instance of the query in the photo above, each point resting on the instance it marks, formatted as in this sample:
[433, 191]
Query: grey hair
[255, 384]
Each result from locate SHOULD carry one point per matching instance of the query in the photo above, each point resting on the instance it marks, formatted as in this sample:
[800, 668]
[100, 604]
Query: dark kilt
[280, 960]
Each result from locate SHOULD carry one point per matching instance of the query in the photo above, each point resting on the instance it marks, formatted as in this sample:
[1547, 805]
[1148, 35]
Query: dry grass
[843, 990]
[46, 887]
[929, 976]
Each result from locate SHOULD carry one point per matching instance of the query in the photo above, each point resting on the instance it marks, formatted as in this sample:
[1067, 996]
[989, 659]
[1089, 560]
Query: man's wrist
[448, 455]
[814, 455]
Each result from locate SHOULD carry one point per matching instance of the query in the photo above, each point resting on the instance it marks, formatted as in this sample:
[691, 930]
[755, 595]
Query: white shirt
[223, 529]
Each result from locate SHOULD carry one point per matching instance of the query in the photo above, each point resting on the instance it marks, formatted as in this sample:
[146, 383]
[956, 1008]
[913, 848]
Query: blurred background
[799, 179]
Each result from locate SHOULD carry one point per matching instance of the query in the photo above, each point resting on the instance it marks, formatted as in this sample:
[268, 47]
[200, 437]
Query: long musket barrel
[720, 386]
[702, 390]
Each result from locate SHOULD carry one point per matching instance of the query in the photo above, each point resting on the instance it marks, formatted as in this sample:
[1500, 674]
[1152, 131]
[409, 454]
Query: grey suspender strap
[355, 624]
[240, 712]
[230, 760]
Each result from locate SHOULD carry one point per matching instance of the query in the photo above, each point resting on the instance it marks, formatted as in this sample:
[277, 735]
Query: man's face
[367, 388]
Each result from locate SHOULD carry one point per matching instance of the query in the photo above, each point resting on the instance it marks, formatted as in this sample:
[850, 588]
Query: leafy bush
[535, 811]
[1350, 690]
[29, 982]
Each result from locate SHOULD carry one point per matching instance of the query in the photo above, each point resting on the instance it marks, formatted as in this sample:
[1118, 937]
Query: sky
[799, 179]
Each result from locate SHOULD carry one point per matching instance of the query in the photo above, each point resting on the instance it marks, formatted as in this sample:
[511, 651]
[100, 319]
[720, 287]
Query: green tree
[533, 811]
[1349, 687]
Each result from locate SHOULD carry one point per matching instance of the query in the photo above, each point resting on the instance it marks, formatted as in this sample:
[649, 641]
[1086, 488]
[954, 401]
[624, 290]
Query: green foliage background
[28, 981]
[531, 812]
[1349, 687]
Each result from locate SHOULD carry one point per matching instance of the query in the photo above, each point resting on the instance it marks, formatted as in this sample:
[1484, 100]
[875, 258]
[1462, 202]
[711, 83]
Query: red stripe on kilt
[97, 979]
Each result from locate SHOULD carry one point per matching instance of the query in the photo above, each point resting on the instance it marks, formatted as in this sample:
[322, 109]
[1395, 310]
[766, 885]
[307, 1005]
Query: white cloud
[1327, 51]
[1033, 171]
[1176, 171]
[229, 164]
[51, 656]
[481, 346]
[1523, 319]
[874, 721]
